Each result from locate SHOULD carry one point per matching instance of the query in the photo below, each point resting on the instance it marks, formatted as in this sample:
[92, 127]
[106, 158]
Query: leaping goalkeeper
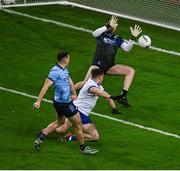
[104, 58]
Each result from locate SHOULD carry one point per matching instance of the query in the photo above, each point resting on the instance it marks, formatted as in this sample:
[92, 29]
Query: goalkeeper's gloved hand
[135, 31]
[115, 111]
[112, 22]
[115, 97]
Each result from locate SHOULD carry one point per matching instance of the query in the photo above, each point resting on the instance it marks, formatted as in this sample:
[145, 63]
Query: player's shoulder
[54, 68]
[58, 68]
[91, 82]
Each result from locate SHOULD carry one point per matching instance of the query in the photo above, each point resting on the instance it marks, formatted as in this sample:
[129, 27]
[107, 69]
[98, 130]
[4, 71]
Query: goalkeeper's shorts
[104, 65]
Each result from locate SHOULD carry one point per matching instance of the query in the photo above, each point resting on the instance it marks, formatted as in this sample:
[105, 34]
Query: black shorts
[104, 65]
[66, 109]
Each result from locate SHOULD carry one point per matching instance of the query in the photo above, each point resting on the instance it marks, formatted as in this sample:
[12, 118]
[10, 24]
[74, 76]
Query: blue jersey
[62, 88]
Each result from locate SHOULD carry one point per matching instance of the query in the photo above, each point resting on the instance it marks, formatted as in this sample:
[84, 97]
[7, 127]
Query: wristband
[108, 26]
[133, 37]
[114, 97]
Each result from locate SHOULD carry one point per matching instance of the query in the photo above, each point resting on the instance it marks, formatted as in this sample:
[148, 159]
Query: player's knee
[59, 123]
[78, 125]
[131, 71]
[96, 136]
[54, 125]
[61, 129]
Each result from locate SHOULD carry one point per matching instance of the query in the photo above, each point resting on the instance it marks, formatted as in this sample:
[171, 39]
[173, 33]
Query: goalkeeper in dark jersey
[104, 58]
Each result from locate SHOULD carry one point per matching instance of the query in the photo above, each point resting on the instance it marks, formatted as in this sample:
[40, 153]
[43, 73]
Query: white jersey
[86, 100]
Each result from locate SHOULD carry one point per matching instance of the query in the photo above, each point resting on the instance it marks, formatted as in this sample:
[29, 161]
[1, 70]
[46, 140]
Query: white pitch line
[78, 28]
[100, 115]
[48, 21]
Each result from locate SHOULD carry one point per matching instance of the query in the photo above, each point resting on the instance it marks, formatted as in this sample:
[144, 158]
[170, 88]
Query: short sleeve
[119, 41]
[53, 75]
[91, 87]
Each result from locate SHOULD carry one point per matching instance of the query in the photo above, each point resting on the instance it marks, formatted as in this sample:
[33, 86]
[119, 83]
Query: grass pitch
[27, 52]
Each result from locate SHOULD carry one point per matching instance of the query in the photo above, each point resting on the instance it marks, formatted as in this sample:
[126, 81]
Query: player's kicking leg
[128, 72]
[49, 129]
[80, 84]
[76, 121]
[63, 128]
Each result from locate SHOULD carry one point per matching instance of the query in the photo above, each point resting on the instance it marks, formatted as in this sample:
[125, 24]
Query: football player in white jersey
[85, 103]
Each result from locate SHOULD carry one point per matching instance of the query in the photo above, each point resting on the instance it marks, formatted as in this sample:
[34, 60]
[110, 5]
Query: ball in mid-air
[144, 41]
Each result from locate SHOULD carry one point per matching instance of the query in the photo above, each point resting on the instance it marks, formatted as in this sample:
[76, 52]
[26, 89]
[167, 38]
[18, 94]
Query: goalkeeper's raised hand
[113, 22]
[135, 31]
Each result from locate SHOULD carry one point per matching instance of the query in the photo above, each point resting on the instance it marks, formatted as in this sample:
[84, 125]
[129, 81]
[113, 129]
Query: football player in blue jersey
[64, 89]
[107, 44]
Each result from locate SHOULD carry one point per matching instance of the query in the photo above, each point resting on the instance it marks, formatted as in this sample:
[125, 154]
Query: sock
[123, 93]
[72, 138]
[82, 146]
[42, 136]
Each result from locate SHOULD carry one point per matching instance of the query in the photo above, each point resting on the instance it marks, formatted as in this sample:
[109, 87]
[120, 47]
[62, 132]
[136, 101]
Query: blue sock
[72, 138]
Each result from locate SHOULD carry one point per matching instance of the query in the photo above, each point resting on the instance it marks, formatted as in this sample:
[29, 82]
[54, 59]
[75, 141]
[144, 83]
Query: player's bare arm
[98, 92]
[73, 90]
[108, 97]
[102, 93]
[48, 83]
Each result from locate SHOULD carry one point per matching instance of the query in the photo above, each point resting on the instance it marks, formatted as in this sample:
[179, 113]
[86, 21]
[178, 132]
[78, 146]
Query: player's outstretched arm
[113, 106]
[99, 92]
[111, 103]
[48, 83]
[108, 97]
[102, 93]
[127, 46]
[111, 24]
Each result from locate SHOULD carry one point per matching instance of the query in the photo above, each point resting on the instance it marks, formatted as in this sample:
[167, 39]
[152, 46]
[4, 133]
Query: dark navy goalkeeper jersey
[107, 45]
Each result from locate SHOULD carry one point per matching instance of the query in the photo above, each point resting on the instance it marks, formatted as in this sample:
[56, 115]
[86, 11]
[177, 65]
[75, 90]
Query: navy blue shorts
[66, 109]
[85, 119]
[104, 65]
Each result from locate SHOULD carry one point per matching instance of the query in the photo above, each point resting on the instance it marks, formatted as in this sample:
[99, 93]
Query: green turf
[27, 52]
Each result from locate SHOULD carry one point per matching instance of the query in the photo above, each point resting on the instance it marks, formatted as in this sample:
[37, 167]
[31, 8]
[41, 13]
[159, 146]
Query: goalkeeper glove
[115, 97]
[135, 31]
[112, 22]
